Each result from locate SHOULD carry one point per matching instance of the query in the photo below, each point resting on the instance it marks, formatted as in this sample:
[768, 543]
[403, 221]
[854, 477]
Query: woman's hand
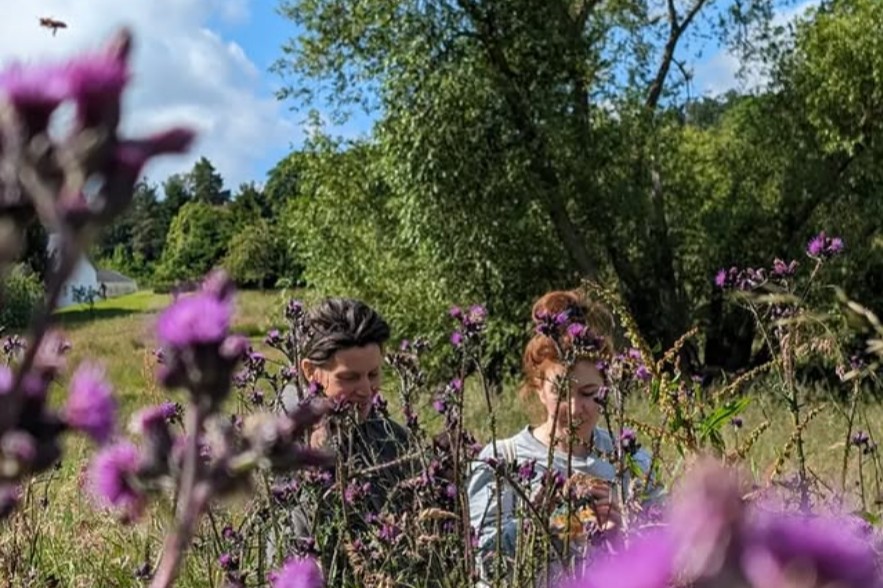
[605, 506]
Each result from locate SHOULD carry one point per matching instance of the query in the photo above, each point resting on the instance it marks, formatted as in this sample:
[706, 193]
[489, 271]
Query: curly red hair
[542, 350]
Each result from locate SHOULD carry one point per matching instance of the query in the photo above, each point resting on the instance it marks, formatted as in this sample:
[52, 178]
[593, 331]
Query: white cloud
[184, 73]
[720, 71]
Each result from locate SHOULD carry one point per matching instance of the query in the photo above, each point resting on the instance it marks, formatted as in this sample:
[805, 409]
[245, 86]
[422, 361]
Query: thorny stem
[192, 500]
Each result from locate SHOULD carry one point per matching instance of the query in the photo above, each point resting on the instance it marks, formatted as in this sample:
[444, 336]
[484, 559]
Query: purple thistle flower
[720, 278]
[816, 246]
[161, 414]
[315, 389]
[642, 373]
[100, 75]
[240, 379]
[273, 337]
[133, 154]
[19, 445]
[388, 533]
[456, 312]
[228, 562]
[440, 405]
[782, 269]
[714, 538]
[577, 330]
[824, 547]
[111, 476]
[294, 310]
[379, 403]
[13, 345]
[628, 440]
[235, 347]
[860, 438]
[230, 534]
[297, 573]
[477, 313]
[455, 385]
[647, 563]
[91, 407]
[47, 85]
[526, 470]
[821, 246]
[456, 338]
[35, 92]
[194, 320]
[355, 491]
[451, 491]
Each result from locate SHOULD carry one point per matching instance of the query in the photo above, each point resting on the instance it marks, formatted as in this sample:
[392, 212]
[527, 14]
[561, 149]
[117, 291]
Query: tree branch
[540, 165]
[676, 30]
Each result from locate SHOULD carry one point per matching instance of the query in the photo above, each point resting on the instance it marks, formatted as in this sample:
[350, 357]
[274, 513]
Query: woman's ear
[308, 368]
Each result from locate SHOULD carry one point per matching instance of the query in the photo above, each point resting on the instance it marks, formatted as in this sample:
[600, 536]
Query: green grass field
[58, 534]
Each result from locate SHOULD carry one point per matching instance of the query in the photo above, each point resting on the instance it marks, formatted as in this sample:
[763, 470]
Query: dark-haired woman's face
[351, 374]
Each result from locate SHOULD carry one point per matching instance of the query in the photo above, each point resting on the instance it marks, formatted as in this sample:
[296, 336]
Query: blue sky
[204, 63]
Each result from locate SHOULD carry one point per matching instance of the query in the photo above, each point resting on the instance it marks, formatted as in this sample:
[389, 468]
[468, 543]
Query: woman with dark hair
[343, 359]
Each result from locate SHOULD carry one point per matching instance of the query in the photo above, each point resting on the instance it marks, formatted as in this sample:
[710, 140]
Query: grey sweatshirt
[525, 447]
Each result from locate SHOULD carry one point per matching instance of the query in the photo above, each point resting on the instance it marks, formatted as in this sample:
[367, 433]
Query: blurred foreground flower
[715, 539]
[297, 573]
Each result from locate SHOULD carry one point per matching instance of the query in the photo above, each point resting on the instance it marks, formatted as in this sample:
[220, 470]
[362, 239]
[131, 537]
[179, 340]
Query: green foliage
[197, 241]
[134, 242]
[250, 205]
[516, 155]
[838, 69]
[175, 195]
[512, 155]
[20, 294]
[259, 255]
[206, 184]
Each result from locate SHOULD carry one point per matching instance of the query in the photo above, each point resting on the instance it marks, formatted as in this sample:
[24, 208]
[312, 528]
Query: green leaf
[713, 422]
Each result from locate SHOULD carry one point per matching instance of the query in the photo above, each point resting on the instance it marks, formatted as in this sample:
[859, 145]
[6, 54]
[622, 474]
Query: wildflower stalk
[498, 491]
[193, 497]
[571, 433]
[850, 420]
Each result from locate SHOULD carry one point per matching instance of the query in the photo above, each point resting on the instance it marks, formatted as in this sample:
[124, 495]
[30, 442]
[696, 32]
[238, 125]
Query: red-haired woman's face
[585, 383]
[351, 374]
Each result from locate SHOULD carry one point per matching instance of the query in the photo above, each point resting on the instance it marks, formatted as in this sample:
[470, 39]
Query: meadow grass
[59, 539]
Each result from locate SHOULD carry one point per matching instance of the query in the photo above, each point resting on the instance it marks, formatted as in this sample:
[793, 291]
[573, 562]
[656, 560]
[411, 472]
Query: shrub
[20, 293]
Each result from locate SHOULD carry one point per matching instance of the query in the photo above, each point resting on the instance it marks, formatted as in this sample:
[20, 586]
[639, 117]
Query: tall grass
[59, 539]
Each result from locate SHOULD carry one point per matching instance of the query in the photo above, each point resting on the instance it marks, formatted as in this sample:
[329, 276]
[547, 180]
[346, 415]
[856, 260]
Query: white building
[104, 283]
